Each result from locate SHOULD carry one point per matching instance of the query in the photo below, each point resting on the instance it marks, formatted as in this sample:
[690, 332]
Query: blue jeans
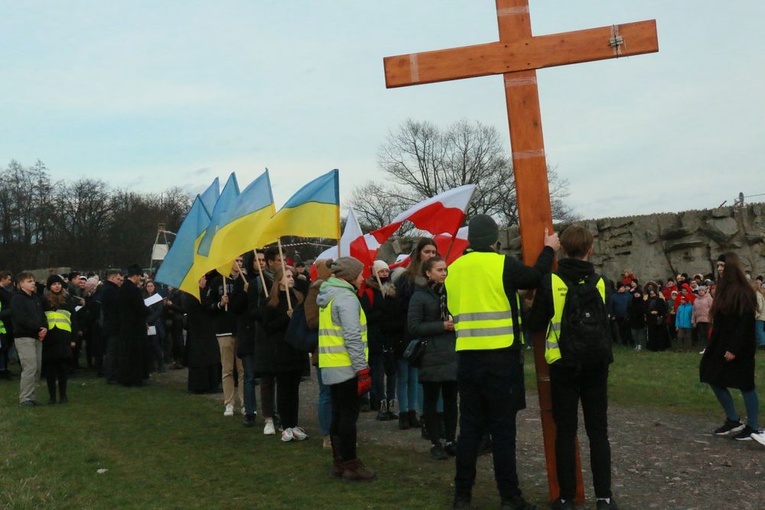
[759, 330]
[250, 401]
[408, 387]
[751, 402]
[325, 405]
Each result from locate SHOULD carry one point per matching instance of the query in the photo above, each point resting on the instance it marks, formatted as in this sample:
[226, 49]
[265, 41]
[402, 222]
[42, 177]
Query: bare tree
[423, 161]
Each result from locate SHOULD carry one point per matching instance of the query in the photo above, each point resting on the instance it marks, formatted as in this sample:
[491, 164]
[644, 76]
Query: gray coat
[426, 321]
[346, 309]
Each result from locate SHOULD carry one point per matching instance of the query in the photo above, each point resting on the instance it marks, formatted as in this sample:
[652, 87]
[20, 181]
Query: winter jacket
[385, 319]
[619, 303]
[427, 313]
[346, 313]
[27, 315]
[683, 318]
[735, 334]
[701, 308]
[284, 357]
[636, 310]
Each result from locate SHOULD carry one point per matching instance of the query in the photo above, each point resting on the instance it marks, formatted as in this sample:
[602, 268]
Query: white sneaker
[759, 436]
[299, 434]
[326, 443]
[229, 410]
[287, 435]
[243, 413]
[702, 351]
[269, 429]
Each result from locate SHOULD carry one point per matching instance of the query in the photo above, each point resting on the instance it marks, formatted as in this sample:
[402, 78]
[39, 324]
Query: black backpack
[585, 330]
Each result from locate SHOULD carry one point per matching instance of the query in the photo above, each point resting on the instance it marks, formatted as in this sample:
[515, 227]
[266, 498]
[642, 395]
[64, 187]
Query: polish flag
[443, 213]
[450, 248]
[353, 243]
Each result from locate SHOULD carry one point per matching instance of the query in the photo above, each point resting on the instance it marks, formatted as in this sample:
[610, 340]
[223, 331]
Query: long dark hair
[734, 294]
[415, 262]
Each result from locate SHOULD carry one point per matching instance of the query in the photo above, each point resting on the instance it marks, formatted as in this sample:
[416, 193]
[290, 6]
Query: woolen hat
[55, 278]
[346, 268]
[379, 265]
[482, 231]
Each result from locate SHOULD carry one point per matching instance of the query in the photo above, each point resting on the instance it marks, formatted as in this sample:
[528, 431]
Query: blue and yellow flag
[314, 211]
[241, 225]
[179, 261]
[225, 201]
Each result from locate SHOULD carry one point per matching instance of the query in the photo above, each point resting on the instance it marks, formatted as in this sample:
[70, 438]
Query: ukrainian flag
[314, 211]
[242, 224]
[179, 261]
[225, 201]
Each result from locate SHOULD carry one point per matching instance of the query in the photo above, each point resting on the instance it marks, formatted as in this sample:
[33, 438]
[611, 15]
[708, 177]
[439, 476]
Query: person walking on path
[482, 295]
[578, 367]
[728, 361]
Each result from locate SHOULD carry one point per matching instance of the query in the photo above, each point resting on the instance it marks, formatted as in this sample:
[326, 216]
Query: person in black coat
[202, 351]
[284, 361]
[132, 341]
[6, 329]
[429, 320]
[728, 361]
[109, 316]
[384, 320]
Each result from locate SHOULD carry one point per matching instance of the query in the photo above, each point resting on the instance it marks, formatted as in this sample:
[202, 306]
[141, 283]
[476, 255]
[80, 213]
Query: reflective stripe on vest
[60, 319]
[559, 291]
[332, 352]
[475, 294]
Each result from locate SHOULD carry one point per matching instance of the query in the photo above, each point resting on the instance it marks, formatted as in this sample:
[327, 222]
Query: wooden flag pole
[225, 293]
[284, 271]
[260, 273]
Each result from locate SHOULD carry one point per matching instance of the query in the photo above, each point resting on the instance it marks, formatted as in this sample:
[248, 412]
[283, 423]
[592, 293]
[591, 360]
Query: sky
[152, 94]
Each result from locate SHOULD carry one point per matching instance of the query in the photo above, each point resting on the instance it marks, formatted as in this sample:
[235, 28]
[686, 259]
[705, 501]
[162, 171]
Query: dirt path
[660, 460]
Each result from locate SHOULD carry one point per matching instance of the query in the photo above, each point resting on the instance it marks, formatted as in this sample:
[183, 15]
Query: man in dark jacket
[132, 339]
[572, 379]
[6, 324]
[482, 296]
[29, 327]
[109, 316]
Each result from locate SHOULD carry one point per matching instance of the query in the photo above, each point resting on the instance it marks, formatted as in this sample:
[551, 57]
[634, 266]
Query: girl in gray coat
[429, 320]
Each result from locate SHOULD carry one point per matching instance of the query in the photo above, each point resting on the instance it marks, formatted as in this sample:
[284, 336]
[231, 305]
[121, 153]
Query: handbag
[415, 352]
[298, 333]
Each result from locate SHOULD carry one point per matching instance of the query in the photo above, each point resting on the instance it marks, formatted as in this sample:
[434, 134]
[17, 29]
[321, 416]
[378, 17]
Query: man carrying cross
[482, 294]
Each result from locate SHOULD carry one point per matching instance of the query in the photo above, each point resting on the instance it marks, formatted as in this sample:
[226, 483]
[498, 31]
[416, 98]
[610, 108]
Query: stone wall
[659, 245]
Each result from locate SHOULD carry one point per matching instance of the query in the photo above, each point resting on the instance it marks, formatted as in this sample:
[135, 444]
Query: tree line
[84, 224]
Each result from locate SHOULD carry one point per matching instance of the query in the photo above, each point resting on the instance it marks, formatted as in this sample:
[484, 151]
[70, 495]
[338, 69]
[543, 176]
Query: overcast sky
[152, 94]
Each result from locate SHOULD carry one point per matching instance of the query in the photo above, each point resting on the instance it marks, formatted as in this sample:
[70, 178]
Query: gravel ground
[660, 460]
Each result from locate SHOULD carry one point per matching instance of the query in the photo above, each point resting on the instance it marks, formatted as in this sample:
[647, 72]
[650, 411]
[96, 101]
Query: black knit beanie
[55, 278]
[483, 231]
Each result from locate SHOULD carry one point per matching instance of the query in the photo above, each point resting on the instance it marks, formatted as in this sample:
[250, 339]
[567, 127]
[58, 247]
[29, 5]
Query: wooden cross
[517, 55]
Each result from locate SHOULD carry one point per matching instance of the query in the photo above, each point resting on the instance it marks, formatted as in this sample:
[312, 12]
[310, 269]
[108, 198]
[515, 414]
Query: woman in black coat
[728, 361]
[283, 360]
[429, 320]
[202, 350]
[60, 339]
[655, 320]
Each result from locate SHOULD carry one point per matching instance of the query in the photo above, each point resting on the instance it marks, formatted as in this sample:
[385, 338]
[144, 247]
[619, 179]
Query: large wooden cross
[517, 55]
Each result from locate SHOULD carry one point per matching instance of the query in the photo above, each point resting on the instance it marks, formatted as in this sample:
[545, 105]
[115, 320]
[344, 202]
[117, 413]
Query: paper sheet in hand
[154, 298]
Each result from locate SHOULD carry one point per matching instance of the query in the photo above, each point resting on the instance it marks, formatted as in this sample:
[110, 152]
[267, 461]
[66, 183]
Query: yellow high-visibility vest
[475, 294]
[61, 319]
[559, 291]
[332, 352]
[2, 324]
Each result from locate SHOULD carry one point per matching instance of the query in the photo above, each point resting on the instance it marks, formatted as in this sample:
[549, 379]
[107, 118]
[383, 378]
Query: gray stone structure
[656, 246]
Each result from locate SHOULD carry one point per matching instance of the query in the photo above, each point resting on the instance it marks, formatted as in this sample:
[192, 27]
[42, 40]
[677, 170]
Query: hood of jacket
[575, 269]
[333, 288]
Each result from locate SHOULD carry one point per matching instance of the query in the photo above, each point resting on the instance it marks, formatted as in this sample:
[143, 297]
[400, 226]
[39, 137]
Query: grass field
[164, 448]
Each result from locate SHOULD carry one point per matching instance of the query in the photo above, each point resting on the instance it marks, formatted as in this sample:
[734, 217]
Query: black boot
[414, 420]
[403, 421]
[338, 466]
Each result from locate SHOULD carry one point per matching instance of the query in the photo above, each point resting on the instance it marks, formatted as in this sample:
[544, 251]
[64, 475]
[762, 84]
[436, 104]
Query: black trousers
[430, 393]
[345, 413]
[288, 397]
[491, 392]
[56, 370]
[569, 385]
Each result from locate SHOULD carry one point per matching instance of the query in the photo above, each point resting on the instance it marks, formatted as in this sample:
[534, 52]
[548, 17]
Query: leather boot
[403, 421]
[356, 471]
[414, 420]
[337, 460]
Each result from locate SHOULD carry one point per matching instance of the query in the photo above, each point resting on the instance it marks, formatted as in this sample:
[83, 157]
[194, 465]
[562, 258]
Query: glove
[364, 381]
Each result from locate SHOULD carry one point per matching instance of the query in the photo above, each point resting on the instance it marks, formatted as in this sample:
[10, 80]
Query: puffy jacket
[426, 321]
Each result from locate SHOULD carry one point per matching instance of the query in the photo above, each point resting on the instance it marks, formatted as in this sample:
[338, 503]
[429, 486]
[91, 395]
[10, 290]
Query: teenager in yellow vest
[572, 380]
[482, 297]
[343, 361]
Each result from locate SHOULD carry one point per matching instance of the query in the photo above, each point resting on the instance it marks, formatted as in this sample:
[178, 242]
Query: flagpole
[284, 271]
[225, 293]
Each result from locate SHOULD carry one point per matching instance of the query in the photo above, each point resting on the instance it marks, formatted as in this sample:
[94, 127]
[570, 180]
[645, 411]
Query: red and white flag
[441, 214]
[354, 243]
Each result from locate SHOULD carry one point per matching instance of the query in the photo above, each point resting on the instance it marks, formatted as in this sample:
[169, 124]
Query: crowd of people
[472, 316]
